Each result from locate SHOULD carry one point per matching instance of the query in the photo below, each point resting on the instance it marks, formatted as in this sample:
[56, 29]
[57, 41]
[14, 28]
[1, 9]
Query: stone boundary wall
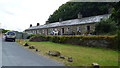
[91, 41]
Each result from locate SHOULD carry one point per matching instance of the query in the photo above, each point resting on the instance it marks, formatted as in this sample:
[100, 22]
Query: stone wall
[72, 28]
[91, 41]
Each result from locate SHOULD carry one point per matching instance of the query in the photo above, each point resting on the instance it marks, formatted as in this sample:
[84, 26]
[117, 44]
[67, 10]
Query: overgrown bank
[91, 41]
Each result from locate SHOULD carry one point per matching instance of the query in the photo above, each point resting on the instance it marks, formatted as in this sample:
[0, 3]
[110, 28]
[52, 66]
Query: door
[88, 28]
[62, 31]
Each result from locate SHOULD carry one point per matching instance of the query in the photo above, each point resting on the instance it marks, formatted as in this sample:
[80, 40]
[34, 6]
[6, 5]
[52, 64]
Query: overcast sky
[19, 14]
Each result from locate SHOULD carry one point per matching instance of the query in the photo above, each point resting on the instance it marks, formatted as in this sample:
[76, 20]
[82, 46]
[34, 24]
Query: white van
[10, 36]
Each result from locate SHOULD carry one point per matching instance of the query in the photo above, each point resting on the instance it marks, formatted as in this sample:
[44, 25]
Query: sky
[19, 14]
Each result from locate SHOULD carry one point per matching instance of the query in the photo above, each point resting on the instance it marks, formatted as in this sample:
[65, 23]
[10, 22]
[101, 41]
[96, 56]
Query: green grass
[0, 34]
[78, 35]
[82, 56]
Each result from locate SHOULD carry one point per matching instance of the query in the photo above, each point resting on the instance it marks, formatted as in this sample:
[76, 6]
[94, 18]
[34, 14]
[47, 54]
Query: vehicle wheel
[5, 39]
[13, 40]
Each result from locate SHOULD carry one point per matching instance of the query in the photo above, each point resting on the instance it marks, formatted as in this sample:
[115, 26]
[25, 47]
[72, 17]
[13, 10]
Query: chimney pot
[79, 15]
[110, 9]
[38, 24]
[30, 25]
[60, 19]
[47, 22]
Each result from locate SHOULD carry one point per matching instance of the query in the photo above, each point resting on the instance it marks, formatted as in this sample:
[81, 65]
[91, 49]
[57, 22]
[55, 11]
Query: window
[10, 33]
[78, 28]
[38, 31]
[33, 31]
[43, 31]
[88, 28]
[52, 29]
[62, 30]
[49, 30]
[68, 29]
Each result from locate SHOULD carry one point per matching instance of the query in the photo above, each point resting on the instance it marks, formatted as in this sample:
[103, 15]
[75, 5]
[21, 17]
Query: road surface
[15, 55]
[0, 52]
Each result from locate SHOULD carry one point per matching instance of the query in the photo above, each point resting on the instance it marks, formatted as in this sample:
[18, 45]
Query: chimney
[79, 15]
[110, 9]
[47, 22]
[38, 24]
[60, 19]
[30, 25]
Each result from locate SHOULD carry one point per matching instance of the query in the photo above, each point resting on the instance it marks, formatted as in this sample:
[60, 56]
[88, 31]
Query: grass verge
[82, 56]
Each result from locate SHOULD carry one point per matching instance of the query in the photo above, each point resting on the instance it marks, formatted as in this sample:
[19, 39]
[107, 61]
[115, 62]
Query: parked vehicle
[10, 36]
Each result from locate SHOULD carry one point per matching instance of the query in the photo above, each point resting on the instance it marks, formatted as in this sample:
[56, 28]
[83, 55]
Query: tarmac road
[15, 55]
[0, 52]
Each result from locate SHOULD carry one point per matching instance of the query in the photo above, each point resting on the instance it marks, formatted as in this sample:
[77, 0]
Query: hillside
[71, 9]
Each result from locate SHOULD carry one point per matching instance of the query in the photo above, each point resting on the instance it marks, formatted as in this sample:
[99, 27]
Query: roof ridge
[72, 22]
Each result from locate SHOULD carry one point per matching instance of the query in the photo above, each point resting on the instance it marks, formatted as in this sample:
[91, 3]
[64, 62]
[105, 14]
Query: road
[0, 52]
[15, 55]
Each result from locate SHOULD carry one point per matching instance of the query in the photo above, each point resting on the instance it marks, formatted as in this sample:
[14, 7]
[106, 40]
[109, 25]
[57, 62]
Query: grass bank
[0, 34]
[82, 56]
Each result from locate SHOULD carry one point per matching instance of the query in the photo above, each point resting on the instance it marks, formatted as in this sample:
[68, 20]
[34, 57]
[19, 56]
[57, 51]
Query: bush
[62, 39]
[118, 41]
[105, 26]
[92, 41]
[29, 36]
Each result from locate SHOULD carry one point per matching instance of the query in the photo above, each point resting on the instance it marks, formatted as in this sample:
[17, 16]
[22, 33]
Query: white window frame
[78, 28]
[68, 29]
[43, 31]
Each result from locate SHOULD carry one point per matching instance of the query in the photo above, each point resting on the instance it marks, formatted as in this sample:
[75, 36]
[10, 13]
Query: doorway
[62, 31]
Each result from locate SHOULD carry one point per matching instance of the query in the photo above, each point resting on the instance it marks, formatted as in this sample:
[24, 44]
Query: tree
[116, 14]
[71, 9]
[105, 26]
[4, 31]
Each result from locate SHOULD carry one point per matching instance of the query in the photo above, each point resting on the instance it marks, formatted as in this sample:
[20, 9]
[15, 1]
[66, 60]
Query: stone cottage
[69, 27]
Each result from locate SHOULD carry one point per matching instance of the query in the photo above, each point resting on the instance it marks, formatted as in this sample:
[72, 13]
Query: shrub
[29, 36]
[97, 41]
[118, 41]
[105, 26]
[62, 39]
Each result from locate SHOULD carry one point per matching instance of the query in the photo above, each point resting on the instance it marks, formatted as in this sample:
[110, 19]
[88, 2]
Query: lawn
[0, 34]
[82, 56]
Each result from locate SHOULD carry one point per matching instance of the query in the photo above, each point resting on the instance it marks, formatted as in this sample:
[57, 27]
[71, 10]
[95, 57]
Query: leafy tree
[112, 24]
[71, 9]
[14, 31]
[4, 31]
[105, 26]
[116, 13]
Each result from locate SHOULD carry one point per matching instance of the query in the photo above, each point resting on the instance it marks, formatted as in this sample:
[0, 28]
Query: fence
[20, 35]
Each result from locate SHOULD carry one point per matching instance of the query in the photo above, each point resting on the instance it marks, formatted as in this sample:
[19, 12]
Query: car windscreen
[10, 33]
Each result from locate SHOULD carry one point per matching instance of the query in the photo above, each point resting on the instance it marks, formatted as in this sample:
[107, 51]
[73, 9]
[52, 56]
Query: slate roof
[85, 20]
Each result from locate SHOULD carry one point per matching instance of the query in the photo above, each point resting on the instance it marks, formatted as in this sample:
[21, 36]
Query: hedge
[92, 41]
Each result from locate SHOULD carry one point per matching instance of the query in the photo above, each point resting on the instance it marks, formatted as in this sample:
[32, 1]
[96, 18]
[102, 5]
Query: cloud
[18, 14]
[94, 0]
[8, 12]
